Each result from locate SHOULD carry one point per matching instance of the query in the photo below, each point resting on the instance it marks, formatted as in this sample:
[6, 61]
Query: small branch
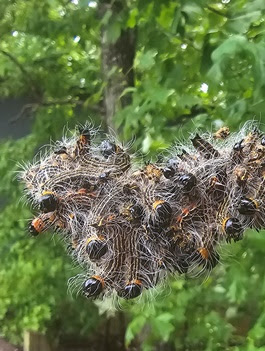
[194, 112]
[62, 102]
[217, 12]
[73, 101]
[26, 109]
[15, 61]
[29, 109]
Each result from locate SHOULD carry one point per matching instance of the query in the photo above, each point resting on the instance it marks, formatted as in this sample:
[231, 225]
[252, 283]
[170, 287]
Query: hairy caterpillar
[130, 227]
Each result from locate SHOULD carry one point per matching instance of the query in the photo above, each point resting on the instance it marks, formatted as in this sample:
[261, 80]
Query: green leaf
[229, 47]
[146, 60]
[146, 143]
[132, 20]
[242, 23]
[162, 325]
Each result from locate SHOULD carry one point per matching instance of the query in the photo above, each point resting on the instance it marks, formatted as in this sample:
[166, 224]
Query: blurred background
[149, 70]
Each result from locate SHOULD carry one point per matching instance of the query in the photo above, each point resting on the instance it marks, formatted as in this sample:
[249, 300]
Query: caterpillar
[131, 226]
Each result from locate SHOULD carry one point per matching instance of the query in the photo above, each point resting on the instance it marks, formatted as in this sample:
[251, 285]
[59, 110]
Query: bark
[117, 64]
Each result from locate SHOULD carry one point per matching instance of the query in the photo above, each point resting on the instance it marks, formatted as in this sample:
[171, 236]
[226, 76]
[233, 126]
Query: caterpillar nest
[129, 228]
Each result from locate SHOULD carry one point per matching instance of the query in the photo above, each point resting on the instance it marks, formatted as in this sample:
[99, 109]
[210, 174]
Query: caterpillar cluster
[129, 227]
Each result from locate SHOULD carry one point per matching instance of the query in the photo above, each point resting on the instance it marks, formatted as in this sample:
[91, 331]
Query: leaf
[146, 143]
[131, 22]
[128, 91]
[192, 9]
[176, 20]
[107, 16]
[162, 325]
[227, 50]
[229, 47]
[242, 23]
[146, 60]
[161, 94]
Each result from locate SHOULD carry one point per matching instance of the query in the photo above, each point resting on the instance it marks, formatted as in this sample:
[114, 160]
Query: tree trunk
[117, 64]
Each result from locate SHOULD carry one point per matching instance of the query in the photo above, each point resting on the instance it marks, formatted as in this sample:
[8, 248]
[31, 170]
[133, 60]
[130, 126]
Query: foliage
[198, 64]
[33, 273]
[224, 311]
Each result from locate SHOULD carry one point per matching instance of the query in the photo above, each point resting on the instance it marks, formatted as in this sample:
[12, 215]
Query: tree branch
[15, 61]
[29, 109]
[23, 71]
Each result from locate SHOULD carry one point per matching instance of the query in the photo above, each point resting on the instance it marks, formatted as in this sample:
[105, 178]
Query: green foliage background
[50, 52]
